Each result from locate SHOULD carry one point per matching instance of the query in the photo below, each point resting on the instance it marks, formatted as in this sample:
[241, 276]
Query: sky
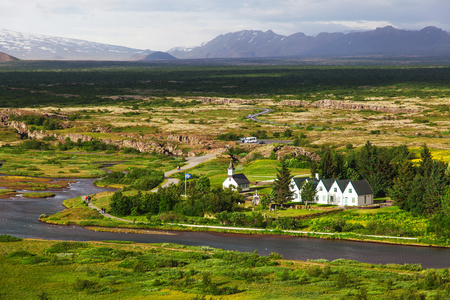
[161, 25]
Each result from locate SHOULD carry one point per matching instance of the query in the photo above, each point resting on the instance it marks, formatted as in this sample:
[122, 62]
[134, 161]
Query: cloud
[160, 25]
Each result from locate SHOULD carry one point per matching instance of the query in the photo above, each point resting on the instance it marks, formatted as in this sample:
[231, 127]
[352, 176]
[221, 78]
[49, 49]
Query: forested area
[201, 199]
[422, 189]
[73, 83]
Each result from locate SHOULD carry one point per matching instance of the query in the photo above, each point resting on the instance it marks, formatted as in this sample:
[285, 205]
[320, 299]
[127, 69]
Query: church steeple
[231, 169]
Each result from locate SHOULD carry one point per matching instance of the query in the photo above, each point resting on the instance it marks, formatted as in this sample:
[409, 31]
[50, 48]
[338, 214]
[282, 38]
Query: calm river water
[19, 217]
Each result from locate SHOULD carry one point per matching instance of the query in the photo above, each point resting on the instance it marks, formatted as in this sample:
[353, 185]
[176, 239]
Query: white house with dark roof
[236, 181]
[358, 193]
[296, 186]
[337, 191]
[323, 190]
[342, 192]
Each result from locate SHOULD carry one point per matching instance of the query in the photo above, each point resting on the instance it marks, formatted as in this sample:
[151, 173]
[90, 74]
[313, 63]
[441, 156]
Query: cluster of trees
[161, 201]
[37, 120]
[201, 199]
[422, 189]
[94, 145]
[141, 179]
[379, 165]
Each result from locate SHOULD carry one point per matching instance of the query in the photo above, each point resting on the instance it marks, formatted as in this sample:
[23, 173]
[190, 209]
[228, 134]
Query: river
[19, 217]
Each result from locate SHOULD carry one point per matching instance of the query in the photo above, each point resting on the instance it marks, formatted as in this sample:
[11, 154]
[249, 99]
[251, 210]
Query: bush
[4, 238]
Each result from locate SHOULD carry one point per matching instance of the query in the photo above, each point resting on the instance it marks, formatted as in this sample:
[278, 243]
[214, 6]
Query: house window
[331, 198]
[317, 198]
[350, 191]
[320, 188]
[364, 199]
[353, 200]
[335, 190]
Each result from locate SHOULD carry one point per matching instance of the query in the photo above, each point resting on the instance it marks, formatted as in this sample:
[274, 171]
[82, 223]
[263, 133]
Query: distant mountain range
[43, 47]
[387, 41]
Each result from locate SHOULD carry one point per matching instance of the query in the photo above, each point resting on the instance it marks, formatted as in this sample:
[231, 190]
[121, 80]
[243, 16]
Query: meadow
[151, 101]
[169, 107]
[33, 269]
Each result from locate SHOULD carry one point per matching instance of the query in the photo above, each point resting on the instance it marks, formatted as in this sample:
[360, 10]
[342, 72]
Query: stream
[19, 217]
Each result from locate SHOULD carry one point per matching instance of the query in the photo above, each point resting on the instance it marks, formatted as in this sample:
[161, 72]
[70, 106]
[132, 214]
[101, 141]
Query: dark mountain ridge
[389, 41]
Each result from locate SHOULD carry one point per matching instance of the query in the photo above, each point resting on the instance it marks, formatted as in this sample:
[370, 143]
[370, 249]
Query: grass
[105, 270]
[38, 195]
[259, 170]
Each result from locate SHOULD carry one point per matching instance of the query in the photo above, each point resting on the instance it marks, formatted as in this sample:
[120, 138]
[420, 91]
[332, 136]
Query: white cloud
[160, 25]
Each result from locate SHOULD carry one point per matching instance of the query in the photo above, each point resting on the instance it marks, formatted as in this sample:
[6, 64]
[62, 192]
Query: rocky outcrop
[206, 100]
[171, 147]
[353, 105]
[325, 104]
[280, 151]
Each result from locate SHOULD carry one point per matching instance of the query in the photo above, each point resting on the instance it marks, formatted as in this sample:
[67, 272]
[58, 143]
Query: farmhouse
[343, 192]
[236, 181]
[296, 186]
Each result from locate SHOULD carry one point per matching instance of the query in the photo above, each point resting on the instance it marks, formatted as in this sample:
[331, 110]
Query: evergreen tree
[435, 187]
[280, 189]
[402, 184]
[308, 192]
[426, 161]
[326, 165]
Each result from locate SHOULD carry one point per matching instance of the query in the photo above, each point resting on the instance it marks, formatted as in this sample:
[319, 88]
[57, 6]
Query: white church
[236, 181]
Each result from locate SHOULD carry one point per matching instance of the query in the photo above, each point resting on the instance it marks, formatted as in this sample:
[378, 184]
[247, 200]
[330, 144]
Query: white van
[250, 139]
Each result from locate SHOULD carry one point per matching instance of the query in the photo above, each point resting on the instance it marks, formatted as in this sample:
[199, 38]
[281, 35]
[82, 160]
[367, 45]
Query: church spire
[231, 169]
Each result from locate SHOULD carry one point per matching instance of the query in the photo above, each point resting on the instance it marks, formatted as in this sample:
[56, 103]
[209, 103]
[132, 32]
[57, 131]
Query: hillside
[6, 58]
[44, 47]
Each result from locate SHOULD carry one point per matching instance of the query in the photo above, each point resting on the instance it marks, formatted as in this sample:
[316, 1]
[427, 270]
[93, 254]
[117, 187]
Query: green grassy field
[32, 269]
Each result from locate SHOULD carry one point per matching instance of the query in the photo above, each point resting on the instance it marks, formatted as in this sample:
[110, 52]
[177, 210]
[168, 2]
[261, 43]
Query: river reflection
[19, 217]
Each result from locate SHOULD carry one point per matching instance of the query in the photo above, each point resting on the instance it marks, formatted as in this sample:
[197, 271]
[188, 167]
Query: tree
[308, 192]
[280, 189]
[426, 161]
[265, 201]
[402, 184]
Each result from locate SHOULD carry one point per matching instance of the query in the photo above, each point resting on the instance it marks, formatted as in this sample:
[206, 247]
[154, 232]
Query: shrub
[4, 238]
[64, 247]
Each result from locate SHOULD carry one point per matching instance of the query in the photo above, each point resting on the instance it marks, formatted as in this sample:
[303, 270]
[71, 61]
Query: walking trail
[194, 161]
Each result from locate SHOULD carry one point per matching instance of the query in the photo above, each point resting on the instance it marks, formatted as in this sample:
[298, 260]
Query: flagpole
[185, 196]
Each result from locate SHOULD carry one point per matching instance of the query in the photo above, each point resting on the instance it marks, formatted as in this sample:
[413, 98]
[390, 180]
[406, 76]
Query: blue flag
[188, 176]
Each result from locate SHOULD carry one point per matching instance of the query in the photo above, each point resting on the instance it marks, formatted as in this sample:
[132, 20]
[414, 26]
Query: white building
[296, 186]
[358, 193]
[342, 192]
[236, 181]
[336, 193]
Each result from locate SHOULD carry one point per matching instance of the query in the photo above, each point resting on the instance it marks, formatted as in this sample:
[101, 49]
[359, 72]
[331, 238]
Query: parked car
[261, 142]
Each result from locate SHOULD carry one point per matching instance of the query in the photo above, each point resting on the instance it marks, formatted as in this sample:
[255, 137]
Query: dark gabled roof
[241, 179]
[362, 187]
[300, 180]
[328, 183]
[342, 183]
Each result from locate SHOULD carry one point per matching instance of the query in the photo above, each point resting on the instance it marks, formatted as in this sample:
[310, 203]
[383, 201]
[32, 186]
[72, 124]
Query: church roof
[231, 167]
[240, 179]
